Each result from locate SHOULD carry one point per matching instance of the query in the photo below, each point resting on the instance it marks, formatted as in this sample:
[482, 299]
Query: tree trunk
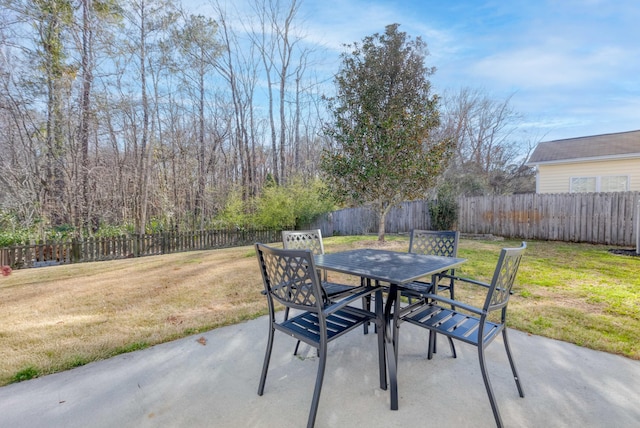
[383, 210]
[87, 81]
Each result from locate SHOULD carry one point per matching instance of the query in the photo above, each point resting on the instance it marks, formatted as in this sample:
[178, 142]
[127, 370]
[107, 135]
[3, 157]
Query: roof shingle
[596, 146]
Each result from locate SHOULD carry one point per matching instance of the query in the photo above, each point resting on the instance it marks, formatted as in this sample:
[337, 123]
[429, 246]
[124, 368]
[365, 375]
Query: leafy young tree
[381, 151]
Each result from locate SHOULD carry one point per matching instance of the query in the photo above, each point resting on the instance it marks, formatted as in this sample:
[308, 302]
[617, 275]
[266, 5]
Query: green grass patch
[27, 373]
[136, 346]
[578, 293]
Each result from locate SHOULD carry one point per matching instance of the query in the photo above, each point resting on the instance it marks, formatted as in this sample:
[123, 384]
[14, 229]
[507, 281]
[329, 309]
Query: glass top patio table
[395, 268]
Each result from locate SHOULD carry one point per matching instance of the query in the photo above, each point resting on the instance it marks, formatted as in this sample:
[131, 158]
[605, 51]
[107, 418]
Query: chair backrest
[303, 240]
[289, 277]
[434, 242]
[503, 278]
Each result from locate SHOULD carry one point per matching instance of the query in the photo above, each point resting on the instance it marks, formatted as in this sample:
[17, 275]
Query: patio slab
[211, 379]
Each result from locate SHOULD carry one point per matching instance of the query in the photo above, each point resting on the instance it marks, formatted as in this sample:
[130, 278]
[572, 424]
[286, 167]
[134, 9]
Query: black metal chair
[290, 278]
[471, 324]
[437, 243]
[312, 240]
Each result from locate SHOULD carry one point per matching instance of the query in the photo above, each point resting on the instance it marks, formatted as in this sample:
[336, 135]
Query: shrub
[296, 204]
[443, 210]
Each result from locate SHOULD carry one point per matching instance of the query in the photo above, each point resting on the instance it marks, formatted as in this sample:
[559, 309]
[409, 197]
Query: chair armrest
[456, 303]
[471, 281]
[328, 310]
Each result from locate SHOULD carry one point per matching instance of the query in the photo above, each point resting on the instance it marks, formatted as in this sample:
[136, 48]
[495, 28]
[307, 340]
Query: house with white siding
[599, 163]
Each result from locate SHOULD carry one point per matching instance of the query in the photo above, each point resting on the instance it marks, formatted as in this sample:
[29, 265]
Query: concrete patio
[210, 380]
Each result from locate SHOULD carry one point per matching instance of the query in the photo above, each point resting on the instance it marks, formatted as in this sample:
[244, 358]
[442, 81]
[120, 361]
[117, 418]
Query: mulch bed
[623, 252]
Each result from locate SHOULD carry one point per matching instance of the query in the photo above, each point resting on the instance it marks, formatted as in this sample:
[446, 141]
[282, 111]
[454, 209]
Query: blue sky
[571, 66]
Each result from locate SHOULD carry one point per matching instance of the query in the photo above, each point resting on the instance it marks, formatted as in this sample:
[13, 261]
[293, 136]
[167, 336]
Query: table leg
[396, 325]
[435, 279]
[381, 345]
[390, 347]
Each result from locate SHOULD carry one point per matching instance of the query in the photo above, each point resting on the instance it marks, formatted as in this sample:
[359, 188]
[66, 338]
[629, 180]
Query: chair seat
[416, 288]
[306, 325]
[334, 289]
[452, 323]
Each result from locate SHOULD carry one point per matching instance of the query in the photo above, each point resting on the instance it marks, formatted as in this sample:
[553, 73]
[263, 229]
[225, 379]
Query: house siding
[556, 178]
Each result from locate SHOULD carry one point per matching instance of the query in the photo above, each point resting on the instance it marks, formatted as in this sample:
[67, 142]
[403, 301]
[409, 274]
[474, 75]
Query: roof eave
[587, 159]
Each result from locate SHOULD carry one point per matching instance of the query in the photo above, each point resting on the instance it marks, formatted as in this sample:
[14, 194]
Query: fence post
[75, 250]
[638, 227]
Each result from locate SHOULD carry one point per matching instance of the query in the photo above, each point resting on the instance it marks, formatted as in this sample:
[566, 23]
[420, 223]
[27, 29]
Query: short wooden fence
[48, 253]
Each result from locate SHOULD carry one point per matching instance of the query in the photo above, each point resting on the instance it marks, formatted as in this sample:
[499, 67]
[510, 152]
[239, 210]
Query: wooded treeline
[137, 112]
[140, 113]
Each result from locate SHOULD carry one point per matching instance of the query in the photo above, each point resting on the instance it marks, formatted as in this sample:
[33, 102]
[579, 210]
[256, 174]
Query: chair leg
[286, 317]
[453, 347]
[432, 342]
[267, 357]
[318, 388]
[431, 345]
[366, 303]
[512, 363]
[451, 344]
[487, 384]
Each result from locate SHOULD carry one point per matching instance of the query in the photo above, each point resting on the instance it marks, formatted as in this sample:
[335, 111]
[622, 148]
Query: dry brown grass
[58, 317]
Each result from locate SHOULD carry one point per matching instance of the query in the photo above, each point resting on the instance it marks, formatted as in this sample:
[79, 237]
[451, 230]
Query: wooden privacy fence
[97, 249]
[363, 220]
[599, 218]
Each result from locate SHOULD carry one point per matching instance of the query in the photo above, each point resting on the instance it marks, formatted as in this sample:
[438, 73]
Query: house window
[583, 184]
[614, 183]
[611, 183]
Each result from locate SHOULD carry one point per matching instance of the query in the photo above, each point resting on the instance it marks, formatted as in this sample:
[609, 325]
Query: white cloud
[541, 67]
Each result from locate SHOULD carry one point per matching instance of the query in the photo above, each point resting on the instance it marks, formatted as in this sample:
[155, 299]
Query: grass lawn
[55, 318]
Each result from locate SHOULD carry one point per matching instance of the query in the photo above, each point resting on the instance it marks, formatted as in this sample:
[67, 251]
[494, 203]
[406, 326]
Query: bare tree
[148, 19]
[276, 39]
[286, 44]
[198, 48]
[239, 73]
[21, 178]
[489, 148]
